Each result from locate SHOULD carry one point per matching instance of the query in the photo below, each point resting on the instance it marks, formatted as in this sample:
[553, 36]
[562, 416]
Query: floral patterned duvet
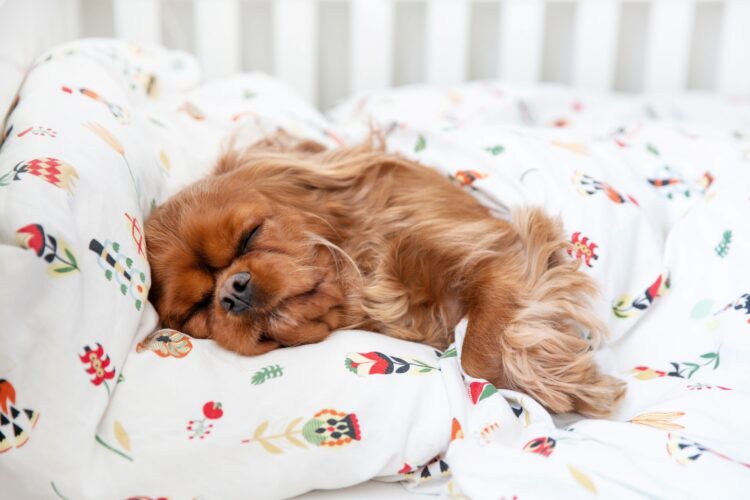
[97, 402]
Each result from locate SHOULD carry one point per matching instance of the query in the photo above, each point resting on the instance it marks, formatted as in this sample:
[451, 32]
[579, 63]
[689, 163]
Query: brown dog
[286, 242]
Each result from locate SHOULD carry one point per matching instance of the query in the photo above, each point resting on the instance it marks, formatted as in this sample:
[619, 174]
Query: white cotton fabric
[409, 412]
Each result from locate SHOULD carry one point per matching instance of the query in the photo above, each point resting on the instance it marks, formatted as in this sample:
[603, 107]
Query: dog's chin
[283, 322]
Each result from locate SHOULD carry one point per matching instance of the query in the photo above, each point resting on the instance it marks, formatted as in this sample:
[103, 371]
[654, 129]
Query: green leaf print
[722, 249]
[495, 150]
[267, 373]
[421, 144]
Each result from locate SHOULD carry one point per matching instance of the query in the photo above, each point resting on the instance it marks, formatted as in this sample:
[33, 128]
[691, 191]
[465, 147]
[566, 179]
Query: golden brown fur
[360, 238]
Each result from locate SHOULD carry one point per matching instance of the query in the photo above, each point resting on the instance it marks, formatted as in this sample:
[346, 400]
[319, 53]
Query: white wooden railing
[216, 32]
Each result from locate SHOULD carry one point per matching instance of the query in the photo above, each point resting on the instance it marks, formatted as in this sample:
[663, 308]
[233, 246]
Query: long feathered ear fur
[546, 347]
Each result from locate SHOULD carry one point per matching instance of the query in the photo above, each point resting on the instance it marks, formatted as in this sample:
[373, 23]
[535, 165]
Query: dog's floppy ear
[279, 142]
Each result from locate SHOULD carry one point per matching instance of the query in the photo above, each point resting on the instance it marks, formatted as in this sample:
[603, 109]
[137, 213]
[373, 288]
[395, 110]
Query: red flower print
[587, 185]
[406, 469]
[369, 363]
[33, 236]
[541, 445]
[98, 365]
[626, 306]
[582, 248]
[15, 422]
[377, 363]
[56, 172]
[646, 373]
[480, 390]
[467, 177]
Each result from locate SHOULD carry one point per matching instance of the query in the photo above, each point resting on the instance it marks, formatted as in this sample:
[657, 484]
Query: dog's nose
[236, 293]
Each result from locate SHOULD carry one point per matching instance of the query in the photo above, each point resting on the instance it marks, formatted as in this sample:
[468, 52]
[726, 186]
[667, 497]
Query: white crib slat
[734, 62]
[595, 44]
[138, 20]
[72, 19]
[295, 55]
[521, 37]
[371, 65]
[217, 36]
[447, 41]
[668, 47]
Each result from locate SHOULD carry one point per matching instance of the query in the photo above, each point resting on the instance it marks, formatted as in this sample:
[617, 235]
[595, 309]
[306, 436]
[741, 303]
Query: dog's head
[233, 259]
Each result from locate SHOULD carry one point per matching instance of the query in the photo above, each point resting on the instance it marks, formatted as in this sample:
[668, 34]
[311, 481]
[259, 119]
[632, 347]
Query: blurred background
[328, 49]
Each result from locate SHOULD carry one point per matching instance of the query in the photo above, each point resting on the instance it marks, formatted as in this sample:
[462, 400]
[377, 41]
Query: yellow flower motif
[572, 146]
[646, 373]
[582, 479]
[106, 136]
[164, 159]
[659, 419]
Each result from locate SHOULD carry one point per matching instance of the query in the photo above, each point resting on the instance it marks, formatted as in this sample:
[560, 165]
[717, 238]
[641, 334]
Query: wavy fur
[358, 237]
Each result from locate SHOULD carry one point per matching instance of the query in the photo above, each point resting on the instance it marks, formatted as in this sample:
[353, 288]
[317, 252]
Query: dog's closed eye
[247, 239]
[203, 303]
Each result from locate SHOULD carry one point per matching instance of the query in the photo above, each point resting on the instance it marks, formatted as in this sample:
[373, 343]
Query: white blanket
[96, 402]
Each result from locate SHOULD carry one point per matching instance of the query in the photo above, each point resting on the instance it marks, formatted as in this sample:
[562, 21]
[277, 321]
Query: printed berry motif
[589, 186]
[38, 131]
[706, 387]
[51, 170]
[582, 248]
[15, 422]
[541, 446]
[166, 343]
[115, 110]
[201, 428]
[466, 178]
[377, 363]
[327, 428]
[55, 251]
[626, 306]
[131, 279]
[267, 373]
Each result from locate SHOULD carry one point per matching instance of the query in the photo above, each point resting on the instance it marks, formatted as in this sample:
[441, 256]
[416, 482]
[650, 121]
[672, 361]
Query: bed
[96, 401]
